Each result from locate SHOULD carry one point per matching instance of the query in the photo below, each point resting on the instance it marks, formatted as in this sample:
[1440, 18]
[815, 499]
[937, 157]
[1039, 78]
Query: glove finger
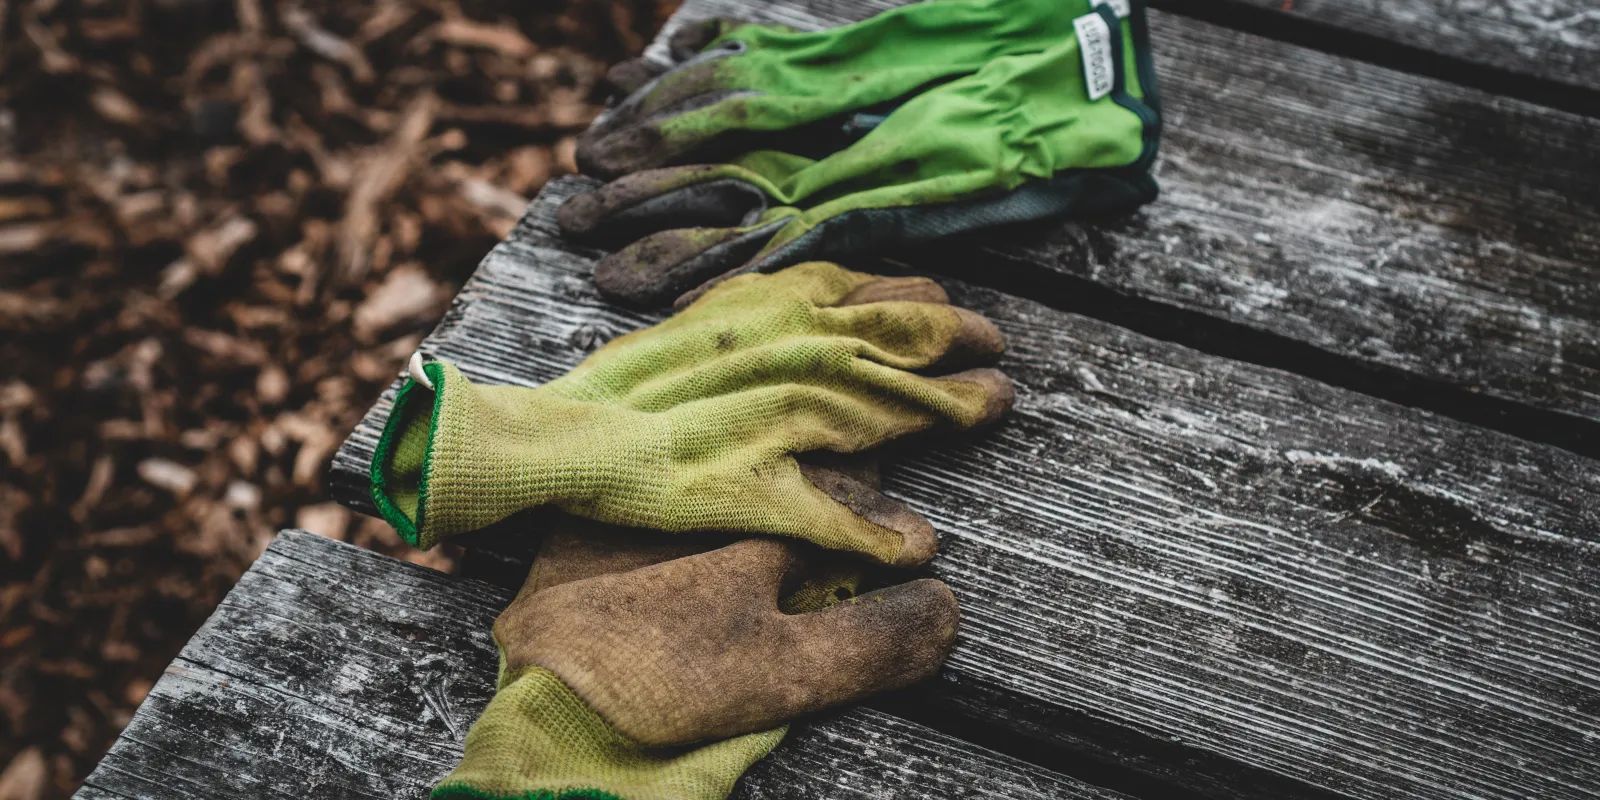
[574, 548]
[627, 77]
[657, 268]
[762, 261]
[918, 542]
[686, 42]
[883, 640]
[914, 288]
[629, 137]
[781, 497]
[994, 386]
[884, 403]
[700, 196]
[917, 335]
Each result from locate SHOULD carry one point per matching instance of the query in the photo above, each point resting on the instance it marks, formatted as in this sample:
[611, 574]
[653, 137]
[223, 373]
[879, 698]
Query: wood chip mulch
[224, 226]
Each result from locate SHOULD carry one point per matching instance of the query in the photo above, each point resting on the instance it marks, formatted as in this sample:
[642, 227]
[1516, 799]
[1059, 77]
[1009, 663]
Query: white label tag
[1094, 39]
[1118, 7]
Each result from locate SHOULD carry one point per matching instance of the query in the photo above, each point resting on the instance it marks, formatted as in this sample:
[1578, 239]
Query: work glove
[695, 424]
[1064, 127]
[668, 681]
[734, 83]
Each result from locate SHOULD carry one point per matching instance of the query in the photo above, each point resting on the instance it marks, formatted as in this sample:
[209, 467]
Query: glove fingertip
[918, 542]
[999, 393]
[908, 629]
[976, 340]
[629, 76]
[620, 277]
[618, 153]
[580, 215]
[686, 42]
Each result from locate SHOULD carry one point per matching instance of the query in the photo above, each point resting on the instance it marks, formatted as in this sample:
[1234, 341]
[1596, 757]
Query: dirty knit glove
[604, 680]
[1068, 130]
[695, 424]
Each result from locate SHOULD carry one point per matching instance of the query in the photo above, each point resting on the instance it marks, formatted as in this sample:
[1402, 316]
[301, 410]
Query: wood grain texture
[1555, 40]
[1405, 228]
[331, 671]
[1233, 578]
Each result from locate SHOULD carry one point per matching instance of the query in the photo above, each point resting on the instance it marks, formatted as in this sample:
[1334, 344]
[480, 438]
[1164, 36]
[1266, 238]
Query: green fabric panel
[537, 739]
[688, 425]
[796, 77]
[1021, 118]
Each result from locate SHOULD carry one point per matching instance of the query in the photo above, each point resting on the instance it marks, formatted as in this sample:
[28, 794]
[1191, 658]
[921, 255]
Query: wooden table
[1299, 499]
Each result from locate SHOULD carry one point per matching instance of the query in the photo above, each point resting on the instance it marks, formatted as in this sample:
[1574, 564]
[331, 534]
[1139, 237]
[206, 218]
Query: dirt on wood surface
[224, 226]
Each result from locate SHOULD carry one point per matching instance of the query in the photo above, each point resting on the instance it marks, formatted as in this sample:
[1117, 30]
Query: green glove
[1025, 137]
[602, 680]
[740, 81]
[695, 424]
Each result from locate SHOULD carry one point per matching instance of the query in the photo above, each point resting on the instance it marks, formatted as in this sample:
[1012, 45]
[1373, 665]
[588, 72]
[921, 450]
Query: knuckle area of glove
[686, 88]
[920, 332]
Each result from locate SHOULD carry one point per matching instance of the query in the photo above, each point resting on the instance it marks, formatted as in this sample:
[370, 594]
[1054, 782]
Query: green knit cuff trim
[461, 791]
[385, 483]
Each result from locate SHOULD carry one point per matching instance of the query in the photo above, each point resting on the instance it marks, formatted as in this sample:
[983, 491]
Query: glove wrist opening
[403, 457]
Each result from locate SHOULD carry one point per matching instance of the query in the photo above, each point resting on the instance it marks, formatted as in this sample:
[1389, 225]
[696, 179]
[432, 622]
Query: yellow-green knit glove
[695, 424]
[646, 682]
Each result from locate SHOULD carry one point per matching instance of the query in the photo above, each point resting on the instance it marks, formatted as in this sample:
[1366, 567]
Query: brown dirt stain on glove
[696, 648]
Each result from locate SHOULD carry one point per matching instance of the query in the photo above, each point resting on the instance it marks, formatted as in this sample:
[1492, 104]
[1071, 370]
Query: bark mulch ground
[224, 225]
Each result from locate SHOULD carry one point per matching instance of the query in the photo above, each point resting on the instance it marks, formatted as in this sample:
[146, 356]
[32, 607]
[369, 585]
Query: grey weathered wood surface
[1555, 40]
[1399, 226]
[334, 672]
[1236, 579]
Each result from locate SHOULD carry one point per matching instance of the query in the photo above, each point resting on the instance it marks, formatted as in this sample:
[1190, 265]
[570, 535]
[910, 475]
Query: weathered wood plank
[331, 671]
[1244, 580]
[1408, 237]
[1552, 40]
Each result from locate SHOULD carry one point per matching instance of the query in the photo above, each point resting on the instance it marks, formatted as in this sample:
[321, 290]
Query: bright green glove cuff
[463, 456]
[537, 740]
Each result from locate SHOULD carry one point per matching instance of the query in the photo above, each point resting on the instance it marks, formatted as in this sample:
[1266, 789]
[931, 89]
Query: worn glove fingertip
[611, 155]
[580, 215]
[919, 618]
[620, 278]
[918, 541]
[976, 340]
[629, 76]
[687, 42]
[999, 393]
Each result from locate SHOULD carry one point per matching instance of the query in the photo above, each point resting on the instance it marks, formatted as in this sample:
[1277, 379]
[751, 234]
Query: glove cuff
[456, 456]
[537, 740]
[404, 454]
